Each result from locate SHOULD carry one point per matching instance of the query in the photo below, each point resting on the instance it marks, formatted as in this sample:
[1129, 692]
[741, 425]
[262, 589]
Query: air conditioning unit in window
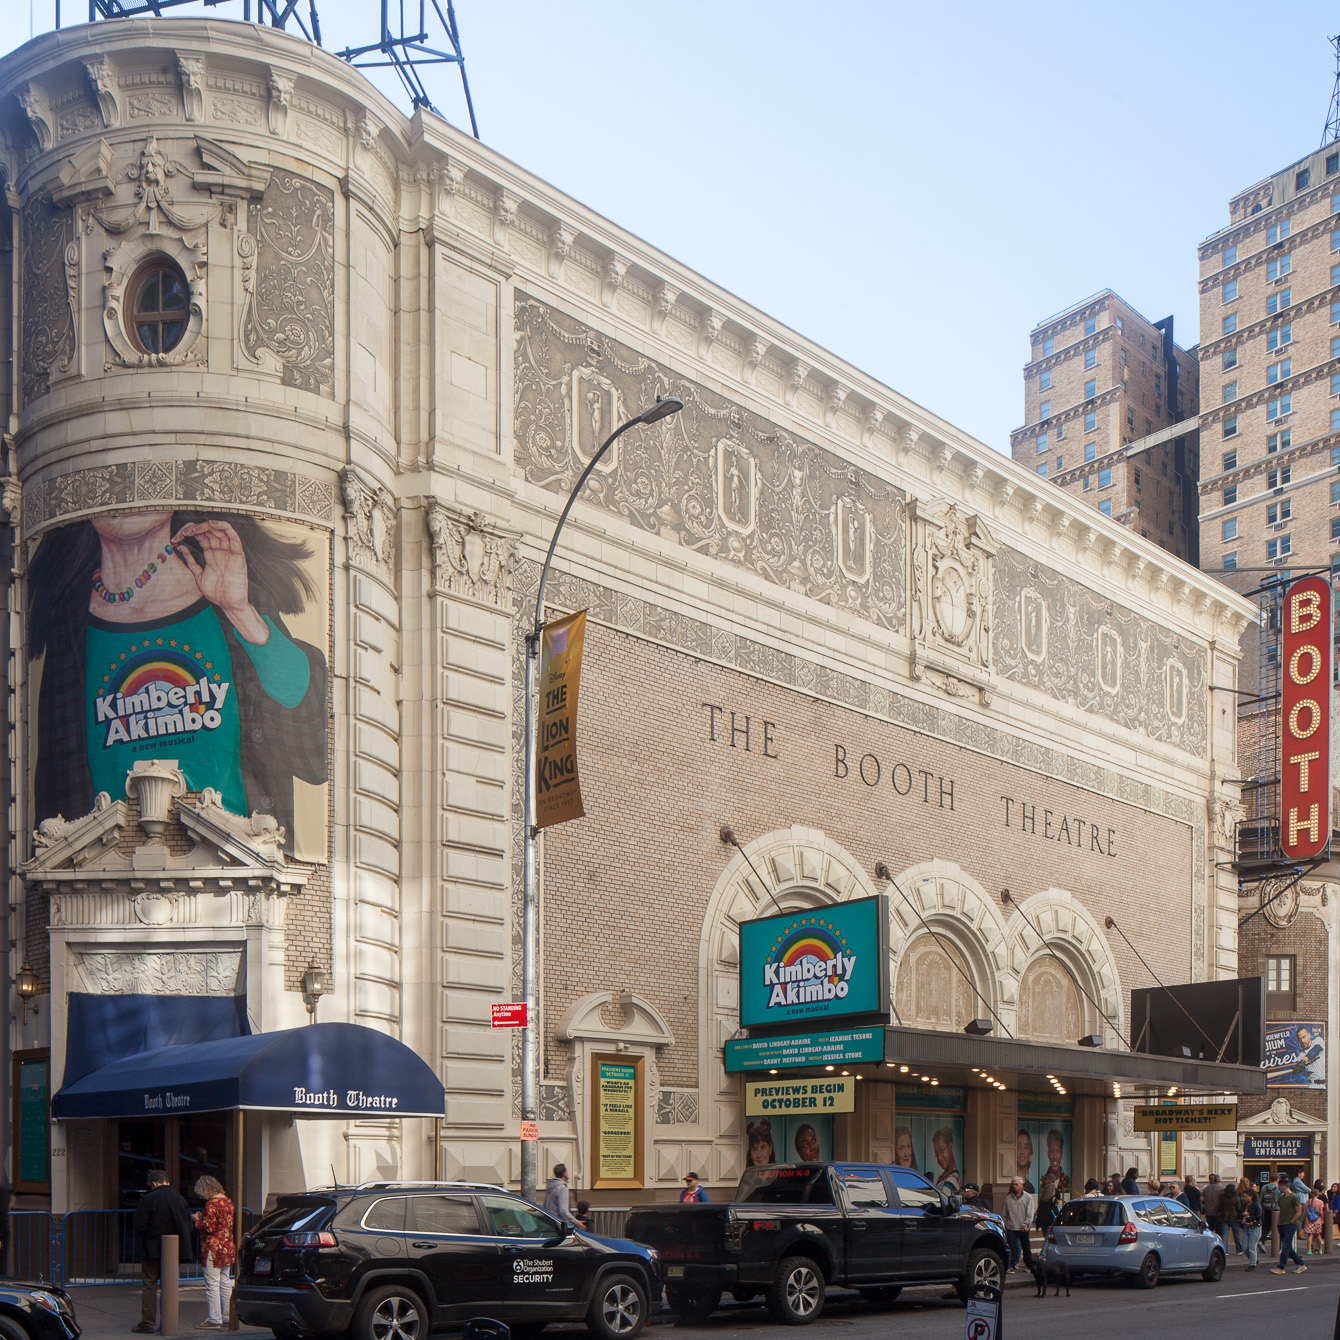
[1279, 525]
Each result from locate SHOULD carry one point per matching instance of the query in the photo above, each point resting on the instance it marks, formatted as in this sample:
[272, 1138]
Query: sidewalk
[105, 1311]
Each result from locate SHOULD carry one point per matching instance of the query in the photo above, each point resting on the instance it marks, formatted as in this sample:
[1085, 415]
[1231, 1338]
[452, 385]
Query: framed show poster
[32, 1121]
[616, 1120]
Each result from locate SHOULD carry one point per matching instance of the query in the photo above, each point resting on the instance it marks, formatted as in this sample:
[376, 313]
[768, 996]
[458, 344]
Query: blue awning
[322, 1070]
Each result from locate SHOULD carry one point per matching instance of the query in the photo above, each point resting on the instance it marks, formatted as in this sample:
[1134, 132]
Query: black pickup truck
[795, 1228]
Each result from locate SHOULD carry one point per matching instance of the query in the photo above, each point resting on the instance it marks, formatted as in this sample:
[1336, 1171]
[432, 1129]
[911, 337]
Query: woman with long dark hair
[161, 635]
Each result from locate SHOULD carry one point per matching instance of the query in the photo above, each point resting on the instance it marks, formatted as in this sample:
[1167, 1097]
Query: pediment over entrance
[589, 1019]
[1280, 1114]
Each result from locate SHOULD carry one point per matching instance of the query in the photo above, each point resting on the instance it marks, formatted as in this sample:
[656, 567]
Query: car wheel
[796, 1295]
[1214, 1272]
[881, 1295]
[692, 1305]
[619, 1309]
[12, 1330]
[1148, 1274]
[984, 1267]
[391, 1312]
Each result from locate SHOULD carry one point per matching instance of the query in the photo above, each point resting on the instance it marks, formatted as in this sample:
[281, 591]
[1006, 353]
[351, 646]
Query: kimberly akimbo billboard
[824, 963]
[193, 636]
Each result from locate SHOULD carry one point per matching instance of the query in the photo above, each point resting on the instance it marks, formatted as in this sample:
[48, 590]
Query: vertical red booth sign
[1305, 719]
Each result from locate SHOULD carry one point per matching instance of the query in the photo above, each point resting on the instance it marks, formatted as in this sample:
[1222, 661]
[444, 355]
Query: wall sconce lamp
[25, 983]
[315, 984]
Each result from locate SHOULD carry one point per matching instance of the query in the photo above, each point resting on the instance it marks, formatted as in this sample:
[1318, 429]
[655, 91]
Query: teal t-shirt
[166, 690]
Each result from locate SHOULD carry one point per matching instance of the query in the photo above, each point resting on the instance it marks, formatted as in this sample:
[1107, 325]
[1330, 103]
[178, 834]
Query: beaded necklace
[123, 597]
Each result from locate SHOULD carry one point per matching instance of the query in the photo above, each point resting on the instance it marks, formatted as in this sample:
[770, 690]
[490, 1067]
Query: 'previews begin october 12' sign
[819, 963]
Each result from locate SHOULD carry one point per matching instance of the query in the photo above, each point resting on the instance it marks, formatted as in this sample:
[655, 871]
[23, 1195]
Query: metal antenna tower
[402, 47]
[1332, 131]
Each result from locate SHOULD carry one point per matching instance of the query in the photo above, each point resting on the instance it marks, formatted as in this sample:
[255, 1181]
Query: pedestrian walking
[218, 1250]
[1190, 1196]
[1289, 1212]
[1020, 1209]
[1269, 1197]
[1250, 1219]
[583, 1215]
[1211, 1202]
[1130, 1184]
[1229, 1209]
[556, 1200]
[1334, 1200]
[692, 1191]
[160, 1213]
[1314, 1220]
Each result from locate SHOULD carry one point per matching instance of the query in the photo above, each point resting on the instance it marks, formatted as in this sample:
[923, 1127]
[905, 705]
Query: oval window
[159, 306]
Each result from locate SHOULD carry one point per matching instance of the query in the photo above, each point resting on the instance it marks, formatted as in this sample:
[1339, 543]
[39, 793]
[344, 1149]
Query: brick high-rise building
[1270, 359]
[1109, 404]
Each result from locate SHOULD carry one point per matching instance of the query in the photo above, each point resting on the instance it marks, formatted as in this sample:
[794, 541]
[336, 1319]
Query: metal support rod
[530, 904]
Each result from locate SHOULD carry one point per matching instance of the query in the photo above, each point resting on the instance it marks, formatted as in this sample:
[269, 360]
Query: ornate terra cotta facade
[382, 354]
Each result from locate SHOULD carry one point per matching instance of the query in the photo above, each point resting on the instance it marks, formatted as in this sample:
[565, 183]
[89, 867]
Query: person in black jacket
[159, 1214]
[1129, 1185]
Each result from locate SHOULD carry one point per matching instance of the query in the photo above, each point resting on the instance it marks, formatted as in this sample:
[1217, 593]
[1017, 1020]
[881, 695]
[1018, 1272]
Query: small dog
[1051, 1272]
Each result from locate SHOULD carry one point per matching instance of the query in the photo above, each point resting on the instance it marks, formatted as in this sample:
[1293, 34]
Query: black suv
[396, 1260]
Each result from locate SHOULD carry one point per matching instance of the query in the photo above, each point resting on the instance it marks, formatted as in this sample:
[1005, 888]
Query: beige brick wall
[625, 889]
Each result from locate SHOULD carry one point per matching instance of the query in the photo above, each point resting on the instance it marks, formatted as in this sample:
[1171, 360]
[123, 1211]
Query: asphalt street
[1258, 1303]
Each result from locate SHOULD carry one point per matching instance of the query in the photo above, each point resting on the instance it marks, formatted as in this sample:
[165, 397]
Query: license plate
[261, 1266]
[674, 1272]
[1084, 1239]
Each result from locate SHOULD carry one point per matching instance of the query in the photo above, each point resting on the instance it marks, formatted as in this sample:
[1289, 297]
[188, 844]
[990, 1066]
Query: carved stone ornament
[709, 327]
[50, 289]
[795, 379]
[281, 99]
[615, 269]
[370, 511]
[504, 216]
[172, 972]
[662, 305]
[155, 783]
[33, 99]
[561, 242]
[102, 75]
[952, 553]
[1280, 900]
[191, 71]
[468, 559]
[758, 347]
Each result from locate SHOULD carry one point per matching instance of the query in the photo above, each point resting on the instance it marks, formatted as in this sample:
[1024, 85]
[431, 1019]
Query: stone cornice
[1268, 216]
[1262, 464]
[1049, 361]
[1287, 386]
[1240, 336]
[1075, 411]
[1271, 252]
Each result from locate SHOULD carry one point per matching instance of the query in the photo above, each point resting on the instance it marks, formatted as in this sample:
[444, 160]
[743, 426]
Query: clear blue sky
[911, 186]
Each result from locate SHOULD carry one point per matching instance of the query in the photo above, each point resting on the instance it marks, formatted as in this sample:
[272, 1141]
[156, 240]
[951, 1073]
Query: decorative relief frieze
[235, 111]
[716, 478]
[48, 303]
[209, 972]
[1077, 647]
[184, 483]
[140, 106]
[470, 558]
[288, 282]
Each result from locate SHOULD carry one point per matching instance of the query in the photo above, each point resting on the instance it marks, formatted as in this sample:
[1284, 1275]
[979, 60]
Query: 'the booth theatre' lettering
[1070, 830]
[927, 787]
[751, 735]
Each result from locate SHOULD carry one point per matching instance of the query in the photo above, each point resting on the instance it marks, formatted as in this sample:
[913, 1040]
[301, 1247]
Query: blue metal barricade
[98, 1247]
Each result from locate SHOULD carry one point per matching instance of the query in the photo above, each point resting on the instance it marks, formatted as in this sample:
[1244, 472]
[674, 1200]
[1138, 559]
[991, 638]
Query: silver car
[1141, 1237]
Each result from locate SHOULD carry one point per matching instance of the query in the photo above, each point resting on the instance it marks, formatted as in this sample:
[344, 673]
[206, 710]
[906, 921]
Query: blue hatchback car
[1140, 1237]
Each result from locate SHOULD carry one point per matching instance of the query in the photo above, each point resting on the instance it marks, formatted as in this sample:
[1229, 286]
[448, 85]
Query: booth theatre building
[299, 391]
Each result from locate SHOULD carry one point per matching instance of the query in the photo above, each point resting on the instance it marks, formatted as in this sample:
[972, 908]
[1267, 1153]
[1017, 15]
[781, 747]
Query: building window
[1042, 441]
[1332, 164]
[1230, 391]
[1230, 358]
[1335, 312]
[1230, 290]
[1090, 388]
[1045, 410]
[159, 306]
[1279, 267]
[1060, 464]
[1278, 478]
[1048, 345]
[1273, 654]
[1335, 529]
[1123, 356]
[1090, 423]
[1136, 472]
[1281, 991]
[1042, 470]
[1105, 507]
[1130, 420]
[1045, 381]
[1230, 460]
[1278, 441]
[1230, 495]
[1230, 256]
[1279, 302]
[1060, 431]
[1105, 478]
[1335, 346]
[1229, 529]
[1091, 358]
[1091, 325]
[1087, 482]
[1090, 450]
[1277, 409]
[1231, 426]
[1335, 421]
[1230, 323]
[1277, 372]
[1302, 179]
[1335, 383]
[1230, 561]
[1277, 232]
[1278, 512]
[1281, 548]
[1335, 491]
[1278, 336]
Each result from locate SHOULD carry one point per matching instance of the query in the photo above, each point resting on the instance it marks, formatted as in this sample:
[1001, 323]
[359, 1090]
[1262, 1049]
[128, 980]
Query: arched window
[159, 306]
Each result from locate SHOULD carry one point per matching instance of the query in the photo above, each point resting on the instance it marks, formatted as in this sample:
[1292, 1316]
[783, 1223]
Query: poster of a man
[162, 635]
[1054, 1176]
[1296, 1055]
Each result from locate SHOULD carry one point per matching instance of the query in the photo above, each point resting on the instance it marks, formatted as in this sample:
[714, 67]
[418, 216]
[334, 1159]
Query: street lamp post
[530, 921]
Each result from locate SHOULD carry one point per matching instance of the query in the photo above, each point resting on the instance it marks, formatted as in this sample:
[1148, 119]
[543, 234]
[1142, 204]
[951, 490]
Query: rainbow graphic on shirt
[171, 691]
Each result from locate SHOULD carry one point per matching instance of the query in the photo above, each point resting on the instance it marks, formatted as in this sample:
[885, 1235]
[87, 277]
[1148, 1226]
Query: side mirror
[955, 1202]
